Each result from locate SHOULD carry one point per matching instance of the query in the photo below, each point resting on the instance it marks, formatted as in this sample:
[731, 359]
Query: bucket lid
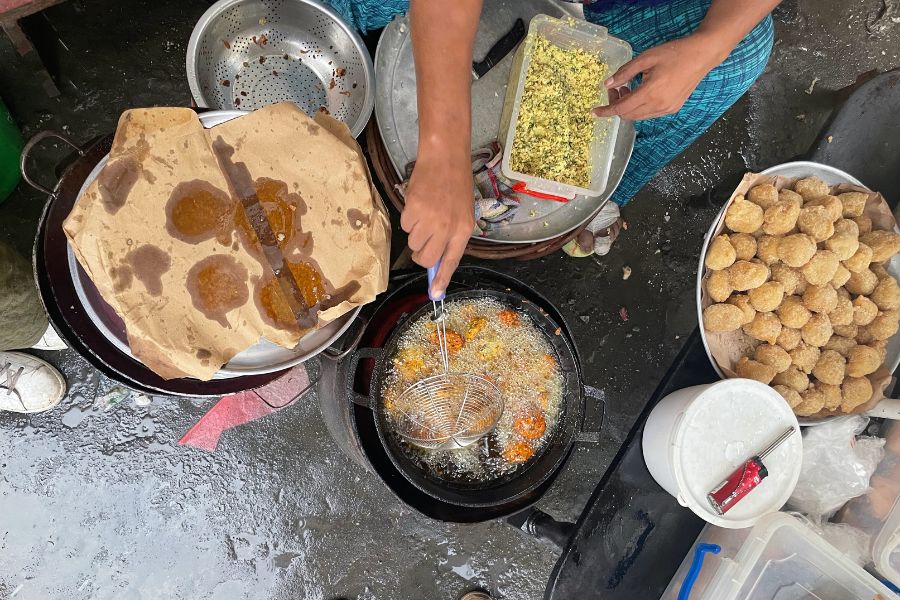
[728, 423]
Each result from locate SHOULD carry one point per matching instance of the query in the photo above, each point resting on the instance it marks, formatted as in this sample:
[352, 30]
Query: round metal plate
[262, 357]
[397, 116]
[831, 176]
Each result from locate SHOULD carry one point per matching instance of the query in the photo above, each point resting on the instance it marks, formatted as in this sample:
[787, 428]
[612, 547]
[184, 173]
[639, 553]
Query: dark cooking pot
[530, 476]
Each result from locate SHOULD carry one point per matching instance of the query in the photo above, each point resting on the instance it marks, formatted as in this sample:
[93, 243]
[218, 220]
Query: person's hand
[671, 72]
[439, 214]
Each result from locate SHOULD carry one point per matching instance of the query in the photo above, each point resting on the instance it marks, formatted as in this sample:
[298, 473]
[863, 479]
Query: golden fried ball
[785, 194]
[792, 313]
[884, 244]
[767, 249]
[790, 395]
[880, 346]
[743, 216]
[764, 326]
[744, 245]
[789, 338]
[879, 270]
[792, 279]
[863, 336]
[793, 378]
[774, 356]
[864, 310]
[817, 330]
[816, 221]
[842, 313]
[846, 227]
[884, 325]
[742, 301]
[841, 275]
[853, 203]
[862, 360]
[751, 369]
[795, 250]
[864, 222]
[720, 318]
[720, 254]
[856, 391]
[805, 356]
[820, 298]
[767, 297]
[745, 275]
[845, 241]
[781, 217]
[886, 294]
[718, 286]
[831, 203]
[840, 344]
[821, 267]
[830, 367]
[813, 401]
[764, 195]
[811, 188]
[847, 331]
[860, 260]
[832, 394]
[862, 282]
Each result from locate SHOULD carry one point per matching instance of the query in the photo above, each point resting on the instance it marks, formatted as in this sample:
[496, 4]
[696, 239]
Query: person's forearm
[727, 22]
[443, 34]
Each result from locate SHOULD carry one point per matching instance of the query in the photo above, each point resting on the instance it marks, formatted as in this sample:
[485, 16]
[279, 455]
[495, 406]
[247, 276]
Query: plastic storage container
[567, 33]
[780, 558]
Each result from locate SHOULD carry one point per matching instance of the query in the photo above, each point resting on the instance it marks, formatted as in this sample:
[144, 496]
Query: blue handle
[694, 571]
[432, 272]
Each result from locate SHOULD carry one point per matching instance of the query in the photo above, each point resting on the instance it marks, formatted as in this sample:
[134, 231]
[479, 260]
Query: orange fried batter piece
[509, 317]
[475, 327]
[455, 342]
[531, 424]
[410, 363]
[517, 452]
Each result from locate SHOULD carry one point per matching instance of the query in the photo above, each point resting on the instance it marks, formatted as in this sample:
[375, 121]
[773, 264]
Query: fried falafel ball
[853, 204]
[796, 249]
[863, 336]
[886, 294]
[884, 325]
[864, 310]
[820, 298]
[860, 260]
[805, 357]
[830, 367]
[792, 312]
[764, 326]
[720, 254]
[862, 360]
[745, 275]
[817, 330]
[774, 356]
[813, 401]
[880, 271]
[842, 313]
[742, 301]
[744, 245]
[751, 369]
[847, 331]
[789, 338]
[833, 395]
[845, 241]
[792, 279]
[821, 267]
[840, 344]
[790, 395]
[718, 286]
[862, 283]
[767, 249]
[811, 188]
[831, 203]
[884, 244]
[767, 297]
[793, 378]
[841, 276]
[722, 318]
[864, 222]
[743, 216]
[855, 391]
[763, 195]
[816, 222]
[780, 218]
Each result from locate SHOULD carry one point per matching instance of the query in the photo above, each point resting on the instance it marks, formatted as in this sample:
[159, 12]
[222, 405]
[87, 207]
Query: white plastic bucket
[695, 437]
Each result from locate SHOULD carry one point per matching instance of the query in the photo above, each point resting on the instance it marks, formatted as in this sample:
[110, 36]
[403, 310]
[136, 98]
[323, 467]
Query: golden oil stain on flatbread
[218, 284]
[198, 211]
[148, 263]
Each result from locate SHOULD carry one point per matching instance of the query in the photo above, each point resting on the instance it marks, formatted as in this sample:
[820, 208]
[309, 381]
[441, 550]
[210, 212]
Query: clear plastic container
[567, 33]
[780, 558]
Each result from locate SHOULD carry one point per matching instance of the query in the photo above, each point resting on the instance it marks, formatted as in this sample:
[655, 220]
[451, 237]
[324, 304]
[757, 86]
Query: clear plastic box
[567, 33]
[779, 558]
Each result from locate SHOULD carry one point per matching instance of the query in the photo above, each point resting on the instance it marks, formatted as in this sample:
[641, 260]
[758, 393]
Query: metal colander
[246, 54]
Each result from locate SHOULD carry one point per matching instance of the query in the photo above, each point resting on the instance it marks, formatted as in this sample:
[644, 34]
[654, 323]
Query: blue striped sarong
[644, 25]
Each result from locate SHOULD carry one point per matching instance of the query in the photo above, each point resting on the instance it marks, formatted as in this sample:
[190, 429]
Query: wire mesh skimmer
[449, 410]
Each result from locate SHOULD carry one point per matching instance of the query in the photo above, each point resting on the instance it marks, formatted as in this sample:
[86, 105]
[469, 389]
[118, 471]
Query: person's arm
[672, 71]
[439, 213]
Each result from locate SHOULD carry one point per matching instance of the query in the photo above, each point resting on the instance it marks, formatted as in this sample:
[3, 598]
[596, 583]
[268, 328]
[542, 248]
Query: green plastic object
[10, 149]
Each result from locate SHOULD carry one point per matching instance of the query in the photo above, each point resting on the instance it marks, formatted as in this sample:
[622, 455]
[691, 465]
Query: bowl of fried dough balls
[798, 291]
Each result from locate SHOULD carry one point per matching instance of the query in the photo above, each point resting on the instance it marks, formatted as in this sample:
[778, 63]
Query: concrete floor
[103, 504]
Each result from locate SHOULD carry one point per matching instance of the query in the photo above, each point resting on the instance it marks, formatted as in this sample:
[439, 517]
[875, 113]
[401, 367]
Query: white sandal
[29, 384]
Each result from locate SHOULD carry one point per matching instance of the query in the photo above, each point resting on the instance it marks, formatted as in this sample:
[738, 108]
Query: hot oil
[514, 357]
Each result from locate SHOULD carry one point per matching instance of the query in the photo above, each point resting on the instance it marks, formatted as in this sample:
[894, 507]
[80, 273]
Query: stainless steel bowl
[246, 54]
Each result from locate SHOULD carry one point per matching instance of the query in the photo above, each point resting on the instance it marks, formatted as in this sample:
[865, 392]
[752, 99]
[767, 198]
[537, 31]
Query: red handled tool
[744, 479]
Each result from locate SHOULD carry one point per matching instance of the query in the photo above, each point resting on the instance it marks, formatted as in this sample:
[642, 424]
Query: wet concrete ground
[103, 504]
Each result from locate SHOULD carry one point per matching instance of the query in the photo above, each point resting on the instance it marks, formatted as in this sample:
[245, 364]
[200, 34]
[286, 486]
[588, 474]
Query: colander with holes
[246, 54]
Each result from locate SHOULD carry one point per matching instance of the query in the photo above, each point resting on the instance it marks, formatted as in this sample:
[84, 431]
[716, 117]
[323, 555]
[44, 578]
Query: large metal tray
[262, 357]
[397, 116]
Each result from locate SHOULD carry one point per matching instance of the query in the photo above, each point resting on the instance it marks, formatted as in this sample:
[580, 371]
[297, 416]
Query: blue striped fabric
[644, 24]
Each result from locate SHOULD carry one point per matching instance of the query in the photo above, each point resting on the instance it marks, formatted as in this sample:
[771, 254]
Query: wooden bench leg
[28, 53]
